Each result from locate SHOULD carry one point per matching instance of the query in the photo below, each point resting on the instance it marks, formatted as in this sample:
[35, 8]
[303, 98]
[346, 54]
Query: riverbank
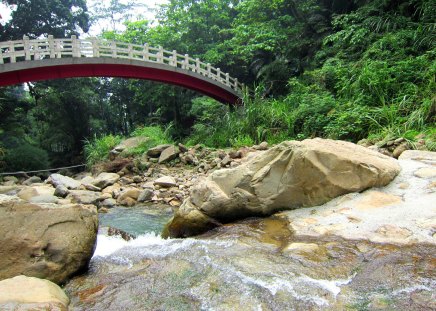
[372, 250]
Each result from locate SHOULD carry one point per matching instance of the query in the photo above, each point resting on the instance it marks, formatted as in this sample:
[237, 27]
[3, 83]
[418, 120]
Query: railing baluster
[1, 56]
[26, 48]
[209, 70]
[51, 47]
[75, 47]
[95, 47]
[114, 49]
[218, 74]
[227, 79]
[236, 84]
[197, 65]
[160, 55]
[146, 53]
[12, 51]
[186, 62]
[130, 48]
[58, 47]
[174, 58]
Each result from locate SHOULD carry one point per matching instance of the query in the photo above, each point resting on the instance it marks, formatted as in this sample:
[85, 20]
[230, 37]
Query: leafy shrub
[25, 157]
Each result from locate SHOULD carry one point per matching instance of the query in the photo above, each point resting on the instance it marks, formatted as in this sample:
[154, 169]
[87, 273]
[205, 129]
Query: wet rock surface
[290, 175]
[29, 293]
[258, 262]
[49, 241]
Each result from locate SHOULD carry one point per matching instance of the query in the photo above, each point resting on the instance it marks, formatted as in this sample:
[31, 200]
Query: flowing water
[256, 264]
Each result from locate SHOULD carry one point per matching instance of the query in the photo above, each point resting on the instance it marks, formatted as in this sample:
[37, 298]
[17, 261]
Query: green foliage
[25, 157]
[60, 18]
[97, 150]
[156, 136]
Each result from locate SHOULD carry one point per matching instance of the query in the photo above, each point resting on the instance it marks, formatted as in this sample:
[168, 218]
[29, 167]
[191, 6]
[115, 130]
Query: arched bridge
[44, 59]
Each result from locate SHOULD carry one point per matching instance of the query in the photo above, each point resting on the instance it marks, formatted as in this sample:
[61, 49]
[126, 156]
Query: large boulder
[289, 176]
[48, 241]
[68, 182]
[169, 154]
[84, 196]
[128, 144]
[104, 180]
[29, 293]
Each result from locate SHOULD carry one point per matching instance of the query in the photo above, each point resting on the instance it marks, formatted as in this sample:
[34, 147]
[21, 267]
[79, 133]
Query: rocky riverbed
[372, 250]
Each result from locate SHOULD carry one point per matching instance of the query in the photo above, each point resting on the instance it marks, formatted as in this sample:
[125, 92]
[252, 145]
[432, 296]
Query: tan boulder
[169, 154]
[290, 175]
[128, 197]
[29, 293]
[48, 241]
[104, 180]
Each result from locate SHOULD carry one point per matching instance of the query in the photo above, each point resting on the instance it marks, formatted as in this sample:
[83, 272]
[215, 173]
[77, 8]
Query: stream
[255, 264]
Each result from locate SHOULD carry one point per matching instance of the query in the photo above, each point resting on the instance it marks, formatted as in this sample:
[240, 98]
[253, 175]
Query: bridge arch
[44, 59]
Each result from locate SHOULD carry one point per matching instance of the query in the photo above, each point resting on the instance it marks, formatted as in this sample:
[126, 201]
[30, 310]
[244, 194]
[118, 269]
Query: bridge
[49, 58]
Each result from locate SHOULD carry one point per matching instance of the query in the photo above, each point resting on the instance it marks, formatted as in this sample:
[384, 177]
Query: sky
[96, 29]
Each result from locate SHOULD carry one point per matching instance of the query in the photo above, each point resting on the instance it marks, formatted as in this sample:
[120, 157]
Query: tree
[60, 18]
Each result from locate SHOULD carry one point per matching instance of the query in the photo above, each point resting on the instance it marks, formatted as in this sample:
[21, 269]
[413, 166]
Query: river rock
[169, 154]
[58, 179]
[61, 191]
[127, 144]
[108, 203]
[44, 198]
[29, 293]
[84, 196]
[291, 175]
[146, 195]
[27, 193]
[156, 151]
[104, 180]
[32, 180]
[13, 179]
[48, 241]
[9, 189]
[166, 182]
[128, 197]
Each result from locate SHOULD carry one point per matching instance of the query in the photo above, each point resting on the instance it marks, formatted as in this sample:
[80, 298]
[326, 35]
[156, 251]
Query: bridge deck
[33, 60]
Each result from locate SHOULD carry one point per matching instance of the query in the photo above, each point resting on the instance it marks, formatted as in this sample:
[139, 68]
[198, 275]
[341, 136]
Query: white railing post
[58, 47]
[227, 79]
[218, 74]
[74, 47]
[146, 53]
[130, 49]
[51, 47]
[26, 48]
[95, 47]
[114, 49]
[209, 70]
[1, 56]
[12, 51]
[160, 55]
[174, 58]
[236, 84]
[186, 62]
[197, 65]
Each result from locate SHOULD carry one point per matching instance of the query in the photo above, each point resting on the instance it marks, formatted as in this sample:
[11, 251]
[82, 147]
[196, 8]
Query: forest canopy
[350, 70]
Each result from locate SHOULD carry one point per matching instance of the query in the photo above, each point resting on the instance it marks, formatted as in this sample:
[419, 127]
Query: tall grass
[156, 136]
[97, 149]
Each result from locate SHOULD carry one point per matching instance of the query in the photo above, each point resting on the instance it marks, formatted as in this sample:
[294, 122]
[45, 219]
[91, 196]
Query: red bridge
[44, 59]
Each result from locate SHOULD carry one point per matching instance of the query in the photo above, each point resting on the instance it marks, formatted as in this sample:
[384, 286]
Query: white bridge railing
[38, 49]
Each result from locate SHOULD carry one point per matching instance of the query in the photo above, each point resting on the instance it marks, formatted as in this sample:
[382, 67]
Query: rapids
[256, 264]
